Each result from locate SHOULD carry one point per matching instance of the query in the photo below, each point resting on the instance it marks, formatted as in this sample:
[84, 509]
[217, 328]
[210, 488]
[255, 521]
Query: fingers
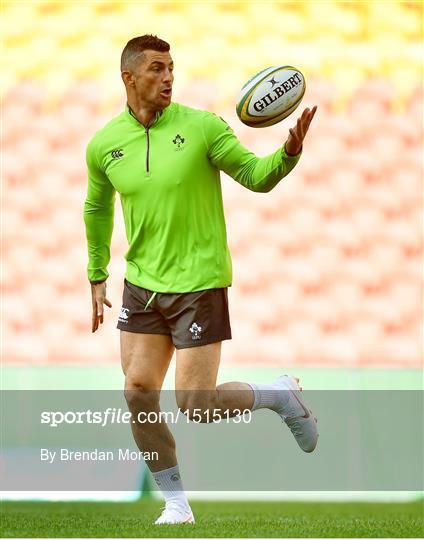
[94, 321]
[98, 298]
[98, 313]
[297, 131]
[309, 118]
[305, 115]
[302, 125]
[93, 298]
[100, 309]
[293, 134]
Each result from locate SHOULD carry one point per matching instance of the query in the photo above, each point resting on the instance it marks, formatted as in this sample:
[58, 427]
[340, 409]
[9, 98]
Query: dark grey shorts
[191, 319]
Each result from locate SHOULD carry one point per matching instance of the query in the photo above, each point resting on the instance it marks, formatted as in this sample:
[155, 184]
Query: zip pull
[146, 130]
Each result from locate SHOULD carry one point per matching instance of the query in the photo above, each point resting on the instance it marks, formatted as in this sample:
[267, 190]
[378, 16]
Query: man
[164, 160]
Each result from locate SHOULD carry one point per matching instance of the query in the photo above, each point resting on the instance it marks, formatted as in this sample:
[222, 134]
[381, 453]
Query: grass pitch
[213, 519]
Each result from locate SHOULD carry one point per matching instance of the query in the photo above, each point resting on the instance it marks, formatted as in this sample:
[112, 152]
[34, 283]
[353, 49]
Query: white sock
[269, 396]
[169, 482]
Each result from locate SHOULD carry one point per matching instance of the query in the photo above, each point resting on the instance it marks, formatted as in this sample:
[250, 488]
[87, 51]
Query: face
[153, 79]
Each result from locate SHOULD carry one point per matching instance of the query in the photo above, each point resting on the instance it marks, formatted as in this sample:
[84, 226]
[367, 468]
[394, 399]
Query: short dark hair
[133, 50]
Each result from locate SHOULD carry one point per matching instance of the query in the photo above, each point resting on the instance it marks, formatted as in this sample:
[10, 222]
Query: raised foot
[297, 415]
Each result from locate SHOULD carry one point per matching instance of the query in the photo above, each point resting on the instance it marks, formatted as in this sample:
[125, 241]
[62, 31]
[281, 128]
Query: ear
[128, 78]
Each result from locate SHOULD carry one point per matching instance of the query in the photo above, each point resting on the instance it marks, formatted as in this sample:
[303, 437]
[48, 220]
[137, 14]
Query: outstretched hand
[295, 140]
[98, 299]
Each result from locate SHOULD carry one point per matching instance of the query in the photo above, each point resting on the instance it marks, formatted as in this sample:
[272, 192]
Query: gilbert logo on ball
[270, 96]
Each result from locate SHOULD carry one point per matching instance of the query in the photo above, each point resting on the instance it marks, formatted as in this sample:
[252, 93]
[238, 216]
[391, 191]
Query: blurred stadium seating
[327, 267]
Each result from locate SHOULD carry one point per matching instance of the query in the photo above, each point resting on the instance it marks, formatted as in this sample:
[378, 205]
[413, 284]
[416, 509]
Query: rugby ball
[270, 96]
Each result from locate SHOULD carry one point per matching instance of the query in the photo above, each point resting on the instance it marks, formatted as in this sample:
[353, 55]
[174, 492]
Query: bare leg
[201, 400]
[196, 374]
[145, 360]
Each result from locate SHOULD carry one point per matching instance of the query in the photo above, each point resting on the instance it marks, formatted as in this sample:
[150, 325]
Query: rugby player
[164, 160]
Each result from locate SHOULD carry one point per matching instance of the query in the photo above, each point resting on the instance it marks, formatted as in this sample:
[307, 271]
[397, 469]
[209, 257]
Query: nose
[169, 76]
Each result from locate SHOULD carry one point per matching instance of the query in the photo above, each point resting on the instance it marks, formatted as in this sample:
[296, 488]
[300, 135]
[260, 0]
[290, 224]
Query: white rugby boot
[296, 414]
[174, 514]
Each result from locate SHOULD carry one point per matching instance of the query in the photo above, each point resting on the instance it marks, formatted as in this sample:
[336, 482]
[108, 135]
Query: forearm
[263, 174]
[99, 227]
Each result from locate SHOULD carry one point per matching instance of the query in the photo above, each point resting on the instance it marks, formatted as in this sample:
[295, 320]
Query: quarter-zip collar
[159, 118]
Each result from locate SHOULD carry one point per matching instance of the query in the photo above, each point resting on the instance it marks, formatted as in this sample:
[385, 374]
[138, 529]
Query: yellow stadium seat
[17, 23]
[404, 78]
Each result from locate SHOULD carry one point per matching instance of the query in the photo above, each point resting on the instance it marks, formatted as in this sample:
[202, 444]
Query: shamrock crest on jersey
[178, 141]
[195, 329]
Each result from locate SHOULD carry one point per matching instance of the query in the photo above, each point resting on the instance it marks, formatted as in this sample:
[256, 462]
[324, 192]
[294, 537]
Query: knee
[196, 404]
[140, 397]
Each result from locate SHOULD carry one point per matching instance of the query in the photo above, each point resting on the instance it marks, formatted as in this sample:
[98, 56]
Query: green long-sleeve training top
[169, 184]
